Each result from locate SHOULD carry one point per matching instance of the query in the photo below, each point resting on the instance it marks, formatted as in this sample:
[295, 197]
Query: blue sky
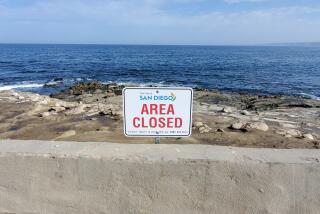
[159, 21]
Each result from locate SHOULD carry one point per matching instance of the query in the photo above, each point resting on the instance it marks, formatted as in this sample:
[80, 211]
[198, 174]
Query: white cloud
[241, 1]
[145, 21]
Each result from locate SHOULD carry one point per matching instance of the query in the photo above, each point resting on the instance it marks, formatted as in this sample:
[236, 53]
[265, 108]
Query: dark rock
[201, 89]
[255, 102]
[84, 88]
[59, 79]
[53, 83]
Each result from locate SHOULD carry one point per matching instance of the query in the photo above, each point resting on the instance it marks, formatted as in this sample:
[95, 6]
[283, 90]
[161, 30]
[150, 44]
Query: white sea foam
[136, 83]
[146, 84]
[310, 96]
[9, 87]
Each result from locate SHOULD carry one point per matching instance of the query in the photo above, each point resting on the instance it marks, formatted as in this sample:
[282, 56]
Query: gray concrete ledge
[74, 177]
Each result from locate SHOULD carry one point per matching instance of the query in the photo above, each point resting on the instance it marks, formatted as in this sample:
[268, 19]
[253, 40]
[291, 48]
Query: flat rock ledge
[89, 177]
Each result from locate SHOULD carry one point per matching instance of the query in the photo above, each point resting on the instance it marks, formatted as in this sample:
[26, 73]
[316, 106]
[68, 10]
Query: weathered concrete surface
[70, 177]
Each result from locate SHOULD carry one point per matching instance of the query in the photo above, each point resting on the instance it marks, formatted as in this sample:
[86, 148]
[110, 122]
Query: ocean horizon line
[283, 44]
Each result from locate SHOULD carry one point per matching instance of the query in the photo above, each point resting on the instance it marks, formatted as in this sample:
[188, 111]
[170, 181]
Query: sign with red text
[157, 112]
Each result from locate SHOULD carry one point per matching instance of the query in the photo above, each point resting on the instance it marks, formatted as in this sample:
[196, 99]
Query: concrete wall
[70, 177]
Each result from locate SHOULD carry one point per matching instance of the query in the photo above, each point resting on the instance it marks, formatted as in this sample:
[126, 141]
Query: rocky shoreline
[92, 111]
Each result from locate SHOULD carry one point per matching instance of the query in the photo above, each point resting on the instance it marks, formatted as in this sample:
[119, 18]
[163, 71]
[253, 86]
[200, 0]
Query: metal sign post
[157, 140]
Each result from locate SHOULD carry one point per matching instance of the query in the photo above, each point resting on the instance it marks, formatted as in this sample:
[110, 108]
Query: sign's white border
[155, 88]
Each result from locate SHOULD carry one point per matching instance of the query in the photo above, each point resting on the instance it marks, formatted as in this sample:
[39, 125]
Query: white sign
[157, 112]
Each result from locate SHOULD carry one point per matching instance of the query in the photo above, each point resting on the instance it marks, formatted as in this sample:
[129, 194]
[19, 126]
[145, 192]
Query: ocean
[288, 70]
